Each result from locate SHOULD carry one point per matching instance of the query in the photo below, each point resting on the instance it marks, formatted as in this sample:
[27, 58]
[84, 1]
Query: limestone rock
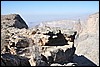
[93, 24]
[22, 43]
[89, 39]
[59, 54]
[13, 20]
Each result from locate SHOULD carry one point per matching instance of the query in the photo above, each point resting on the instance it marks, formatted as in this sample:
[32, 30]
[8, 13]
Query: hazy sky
[37, 11]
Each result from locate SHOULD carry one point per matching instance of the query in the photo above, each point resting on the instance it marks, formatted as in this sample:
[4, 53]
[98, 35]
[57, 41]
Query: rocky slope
[88, 41]
[87, 37]
[57, 43]
[39, 47]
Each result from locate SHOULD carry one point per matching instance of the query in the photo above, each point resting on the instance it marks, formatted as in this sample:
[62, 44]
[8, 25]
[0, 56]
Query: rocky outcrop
[88, 36]
[93, 24]
[13, 20]
[9, 53]
[21, 41]
[14, 60]
[89, 39]
[59, 54]
[49, 44]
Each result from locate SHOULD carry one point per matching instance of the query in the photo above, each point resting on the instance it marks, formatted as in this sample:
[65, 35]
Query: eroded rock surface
[13, 60]
[46, 45]
[89, 39]
[13, 20]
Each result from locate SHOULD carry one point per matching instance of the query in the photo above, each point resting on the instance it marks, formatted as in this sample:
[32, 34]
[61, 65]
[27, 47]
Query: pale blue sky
[37, 11]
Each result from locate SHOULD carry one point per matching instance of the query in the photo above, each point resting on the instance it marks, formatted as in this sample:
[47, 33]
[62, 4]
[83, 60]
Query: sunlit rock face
[93, 24]
[88, 41]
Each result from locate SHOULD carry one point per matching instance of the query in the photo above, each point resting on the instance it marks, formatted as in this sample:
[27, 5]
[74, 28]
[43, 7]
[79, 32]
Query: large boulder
[59, 54]
[13, 20]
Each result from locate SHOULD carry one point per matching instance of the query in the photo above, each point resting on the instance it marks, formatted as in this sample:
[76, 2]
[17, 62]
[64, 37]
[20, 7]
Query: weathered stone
[59, 54]
[13, 60]
[13, 20]
[89, 39]
[57, 44]
[41, 63]
[22, 43]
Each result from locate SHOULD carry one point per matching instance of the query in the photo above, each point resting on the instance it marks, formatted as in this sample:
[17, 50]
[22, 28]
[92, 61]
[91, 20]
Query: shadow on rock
[14, 60]
[59, 40]
[83, 61]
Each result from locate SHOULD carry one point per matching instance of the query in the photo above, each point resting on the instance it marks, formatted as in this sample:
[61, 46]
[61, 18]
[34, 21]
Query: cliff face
[93, 24]
[88, 41]
[12, 20]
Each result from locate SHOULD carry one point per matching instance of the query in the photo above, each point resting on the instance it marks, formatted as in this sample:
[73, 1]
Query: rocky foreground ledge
[40, 46]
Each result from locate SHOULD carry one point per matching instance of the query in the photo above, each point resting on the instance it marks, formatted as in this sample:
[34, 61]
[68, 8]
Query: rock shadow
[58, 56]
[83, 61]
[14, 60]
[56, 39]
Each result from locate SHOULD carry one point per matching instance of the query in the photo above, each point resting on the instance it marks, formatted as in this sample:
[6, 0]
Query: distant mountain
[68, 24]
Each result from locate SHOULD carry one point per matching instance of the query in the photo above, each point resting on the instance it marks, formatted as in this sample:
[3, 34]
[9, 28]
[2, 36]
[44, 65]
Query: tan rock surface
[88, 41]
